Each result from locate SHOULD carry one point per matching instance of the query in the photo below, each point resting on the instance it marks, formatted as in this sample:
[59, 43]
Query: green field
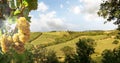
[57, 40]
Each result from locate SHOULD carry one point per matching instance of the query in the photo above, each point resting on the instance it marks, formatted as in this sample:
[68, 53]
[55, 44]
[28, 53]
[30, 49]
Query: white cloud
[89, 9]
[48, 22]
[61, 5]
[42, 7]
[90, 6]
[75, 9]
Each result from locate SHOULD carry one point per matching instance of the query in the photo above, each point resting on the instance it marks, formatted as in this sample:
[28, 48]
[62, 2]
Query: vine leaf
[25, 3]
[17, 12]
[12, 4]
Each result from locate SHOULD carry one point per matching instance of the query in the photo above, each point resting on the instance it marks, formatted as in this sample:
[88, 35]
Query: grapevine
[15, 12]
[18, 40]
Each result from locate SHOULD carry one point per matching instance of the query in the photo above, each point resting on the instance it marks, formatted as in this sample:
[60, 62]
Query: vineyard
[18, 44]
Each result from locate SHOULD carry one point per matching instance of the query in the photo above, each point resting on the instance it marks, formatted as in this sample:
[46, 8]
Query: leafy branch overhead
[17, 8]
[110, 10]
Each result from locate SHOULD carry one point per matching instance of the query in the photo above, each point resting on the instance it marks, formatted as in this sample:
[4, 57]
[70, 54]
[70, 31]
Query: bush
[111, 56]
[32, 54]
[69, 53]
[51, 57]
[42, 55]
[85, 47]
[115, 42]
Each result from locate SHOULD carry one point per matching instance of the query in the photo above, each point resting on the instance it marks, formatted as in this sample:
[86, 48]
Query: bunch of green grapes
[22, 36]
[5, 43]
[18, 40]
[23, 29]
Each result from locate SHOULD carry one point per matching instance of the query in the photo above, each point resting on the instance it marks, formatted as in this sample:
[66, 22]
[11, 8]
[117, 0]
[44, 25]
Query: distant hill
[56, 40]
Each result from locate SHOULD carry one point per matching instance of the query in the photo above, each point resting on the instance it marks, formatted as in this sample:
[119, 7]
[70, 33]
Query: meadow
[56, 40]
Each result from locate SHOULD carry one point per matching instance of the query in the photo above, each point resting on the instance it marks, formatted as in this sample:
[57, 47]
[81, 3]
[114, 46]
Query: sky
[73, 15]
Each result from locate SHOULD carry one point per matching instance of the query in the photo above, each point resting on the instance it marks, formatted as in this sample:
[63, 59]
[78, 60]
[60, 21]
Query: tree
[69, 54]
[51, 57]
[84, 50]
[110, 10]
[111, 56]
[67, 50]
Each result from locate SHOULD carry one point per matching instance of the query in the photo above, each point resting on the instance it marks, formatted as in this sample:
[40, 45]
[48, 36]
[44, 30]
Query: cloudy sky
[76, 15]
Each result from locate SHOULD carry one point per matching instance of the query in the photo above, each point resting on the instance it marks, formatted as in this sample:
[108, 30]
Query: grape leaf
[12, 4]
[17, 12]
[18, 3]
[28, 18]
[25, 3]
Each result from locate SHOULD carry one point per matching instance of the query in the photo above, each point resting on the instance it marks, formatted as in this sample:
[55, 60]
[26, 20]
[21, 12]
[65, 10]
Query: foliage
[109, 9]
[51, 57]
[67, 50]
[14, 57]
[118, 35]
[84, 50]
[17, 8]
[42, 55]
[32, 4]
[111, 56]
[22, 8]
[69, 54]
[31, 55]
[11, 10]
[115, 42]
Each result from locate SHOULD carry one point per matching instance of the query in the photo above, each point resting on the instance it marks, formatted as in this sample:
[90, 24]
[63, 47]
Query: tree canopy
[85, 47]
[111, 56]
[110, 10]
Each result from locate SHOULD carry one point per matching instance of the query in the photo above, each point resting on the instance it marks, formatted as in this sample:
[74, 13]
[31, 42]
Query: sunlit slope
[34, 36]
[48, 38]
[57, 40]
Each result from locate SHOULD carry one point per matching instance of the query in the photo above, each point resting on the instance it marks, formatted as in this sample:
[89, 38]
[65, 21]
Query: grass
[50, 39]
[46, 38]
[61, 45]
[34, 35]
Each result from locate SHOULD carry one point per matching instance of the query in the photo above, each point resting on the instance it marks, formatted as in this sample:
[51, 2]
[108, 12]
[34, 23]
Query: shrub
[69, 53]
[115, 42]
[85, 47]
[32, 54]
[111, 56]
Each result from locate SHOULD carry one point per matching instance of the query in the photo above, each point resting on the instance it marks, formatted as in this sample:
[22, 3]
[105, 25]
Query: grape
[4, 43]
[19, 47]
[23, 38]
[22, 35]
[23, 22]
[9, 38]
[17, 41]
[16, 37]
[23, 29]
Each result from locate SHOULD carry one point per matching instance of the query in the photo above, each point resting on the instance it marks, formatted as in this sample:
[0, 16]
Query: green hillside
[57, 40]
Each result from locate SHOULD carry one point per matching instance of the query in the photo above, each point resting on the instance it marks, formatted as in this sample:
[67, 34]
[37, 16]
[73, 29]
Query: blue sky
[76, 15]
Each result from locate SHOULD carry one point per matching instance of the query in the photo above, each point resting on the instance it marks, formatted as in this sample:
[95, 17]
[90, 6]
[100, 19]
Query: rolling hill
[57, 40]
